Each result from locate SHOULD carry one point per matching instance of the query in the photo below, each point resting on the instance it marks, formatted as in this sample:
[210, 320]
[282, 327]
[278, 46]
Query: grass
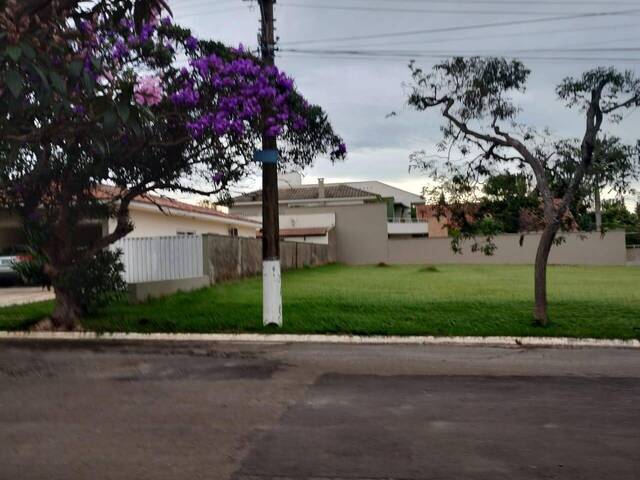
[599, 302]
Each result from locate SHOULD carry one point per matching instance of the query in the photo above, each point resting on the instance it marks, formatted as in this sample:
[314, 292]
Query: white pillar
[271, 293]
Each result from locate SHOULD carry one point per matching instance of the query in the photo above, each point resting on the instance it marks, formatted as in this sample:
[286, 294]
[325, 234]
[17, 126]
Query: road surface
[107, 410]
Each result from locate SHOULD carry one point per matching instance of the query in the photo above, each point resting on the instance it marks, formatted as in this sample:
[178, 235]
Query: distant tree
[615, 170]
[615, 215]
[505, 197]
[88, 98]
[482, 136]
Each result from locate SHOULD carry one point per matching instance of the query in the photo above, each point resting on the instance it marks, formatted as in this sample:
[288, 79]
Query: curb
[332, 339]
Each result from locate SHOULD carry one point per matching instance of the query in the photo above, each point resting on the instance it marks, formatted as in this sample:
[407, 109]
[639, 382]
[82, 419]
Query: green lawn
[601, 302]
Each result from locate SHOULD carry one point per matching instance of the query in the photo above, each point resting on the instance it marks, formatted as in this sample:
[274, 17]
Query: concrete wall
[155, 224]
[361, 230]
[143, 291]
[232, 258]
[592, 250]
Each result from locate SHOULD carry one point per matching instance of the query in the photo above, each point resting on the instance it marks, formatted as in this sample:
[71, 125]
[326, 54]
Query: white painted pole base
[271, 293]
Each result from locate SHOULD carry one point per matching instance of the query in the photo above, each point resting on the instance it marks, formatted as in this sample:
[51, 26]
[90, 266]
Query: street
[118, 410]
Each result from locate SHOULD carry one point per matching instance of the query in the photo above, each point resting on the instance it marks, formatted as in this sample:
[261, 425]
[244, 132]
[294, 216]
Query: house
[358, 220]
[151, 216]
[401, 205]
[154, 216]
[437, 219]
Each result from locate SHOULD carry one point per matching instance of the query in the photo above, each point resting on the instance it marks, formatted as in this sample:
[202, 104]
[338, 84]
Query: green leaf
[97, 64]
[101, 105]
[135, 126]
[15, 52]
[43, 77]
[75, 68]
[123, 111]
[28, 51]
[89, 83]
[110, 120]
[58, 82]
[14, 81]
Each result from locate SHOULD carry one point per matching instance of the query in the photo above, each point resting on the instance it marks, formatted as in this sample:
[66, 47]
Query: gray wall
[361, 238]
[579, 249]
[232, 258]
[633, 256]
[360, 233]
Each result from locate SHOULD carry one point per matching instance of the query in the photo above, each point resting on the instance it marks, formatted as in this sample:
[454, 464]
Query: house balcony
[407, 226]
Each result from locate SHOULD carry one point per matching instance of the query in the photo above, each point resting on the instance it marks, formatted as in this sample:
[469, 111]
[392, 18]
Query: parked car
[9, 256]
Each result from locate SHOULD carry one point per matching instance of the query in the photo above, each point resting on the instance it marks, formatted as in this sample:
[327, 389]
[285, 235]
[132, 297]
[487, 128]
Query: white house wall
[320, 220]
[154, 224]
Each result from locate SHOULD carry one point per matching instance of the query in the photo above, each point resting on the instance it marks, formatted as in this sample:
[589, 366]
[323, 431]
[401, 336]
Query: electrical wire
[443, 55]
[462, 27]
[423, 10]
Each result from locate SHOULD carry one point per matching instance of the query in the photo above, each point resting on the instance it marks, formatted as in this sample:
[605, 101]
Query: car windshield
[13, 250]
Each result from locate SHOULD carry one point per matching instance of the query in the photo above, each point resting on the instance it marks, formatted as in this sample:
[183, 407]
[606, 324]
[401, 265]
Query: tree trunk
[540, 313]
[67, 311]
[598, 207]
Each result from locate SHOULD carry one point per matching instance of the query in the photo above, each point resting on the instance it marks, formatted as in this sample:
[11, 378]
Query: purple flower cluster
[238, 91]
[218, 177]
[340, 151]
[120, 50]
[244, 89]
[147, 30]
[186, 96]
[191, 43]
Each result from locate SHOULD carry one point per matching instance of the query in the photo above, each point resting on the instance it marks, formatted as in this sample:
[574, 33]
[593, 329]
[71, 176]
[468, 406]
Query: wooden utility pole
[271, 281]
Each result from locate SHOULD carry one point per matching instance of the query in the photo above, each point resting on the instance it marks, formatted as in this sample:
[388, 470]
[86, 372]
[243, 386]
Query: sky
[351, 56]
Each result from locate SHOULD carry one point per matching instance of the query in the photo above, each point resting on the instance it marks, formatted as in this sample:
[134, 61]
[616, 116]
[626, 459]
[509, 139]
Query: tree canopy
[91, 98]
[482, 135]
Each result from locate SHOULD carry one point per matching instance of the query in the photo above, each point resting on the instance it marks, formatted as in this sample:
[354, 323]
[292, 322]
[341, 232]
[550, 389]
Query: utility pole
[271, 280]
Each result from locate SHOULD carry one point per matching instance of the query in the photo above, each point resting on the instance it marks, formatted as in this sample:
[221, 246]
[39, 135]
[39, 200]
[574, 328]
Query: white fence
[151, 259]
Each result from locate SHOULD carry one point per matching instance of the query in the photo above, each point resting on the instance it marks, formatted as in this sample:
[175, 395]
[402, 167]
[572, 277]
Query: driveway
[21, 295]
[105, 410]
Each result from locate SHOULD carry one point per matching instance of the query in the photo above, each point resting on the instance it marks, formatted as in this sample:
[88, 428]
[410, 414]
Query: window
[233, 232]
[185, 233]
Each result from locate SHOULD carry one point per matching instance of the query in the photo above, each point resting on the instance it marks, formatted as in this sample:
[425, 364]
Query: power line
[462, 27]
[511, 3]
[467, 52]
[441, 55]
[395, 60]
[423, 10]
[501, 35]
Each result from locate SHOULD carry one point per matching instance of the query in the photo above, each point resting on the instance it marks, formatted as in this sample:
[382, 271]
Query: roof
[106, 191]
[385, 190]
[308, 192]
[302, 232]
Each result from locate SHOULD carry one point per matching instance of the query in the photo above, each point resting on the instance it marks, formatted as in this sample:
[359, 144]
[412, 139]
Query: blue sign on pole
[266, 156]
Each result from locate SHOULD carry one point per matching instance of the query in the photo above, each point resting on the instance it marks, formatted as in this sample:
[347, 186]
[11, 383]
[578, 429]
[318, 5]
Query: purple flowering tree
[96, 99]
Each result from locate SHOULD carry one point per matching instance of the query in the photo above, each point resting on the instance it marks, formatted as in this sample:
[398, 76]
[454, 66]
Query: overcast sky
[358, 91]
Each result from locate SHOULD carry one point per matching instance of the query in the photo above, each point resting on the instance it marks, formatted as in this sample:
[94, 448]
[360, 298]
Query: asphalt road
[322, 412]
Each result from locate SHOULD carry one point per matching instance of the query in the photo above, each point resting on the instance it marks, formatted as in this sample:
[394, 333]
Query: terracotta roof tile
[106, 191]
